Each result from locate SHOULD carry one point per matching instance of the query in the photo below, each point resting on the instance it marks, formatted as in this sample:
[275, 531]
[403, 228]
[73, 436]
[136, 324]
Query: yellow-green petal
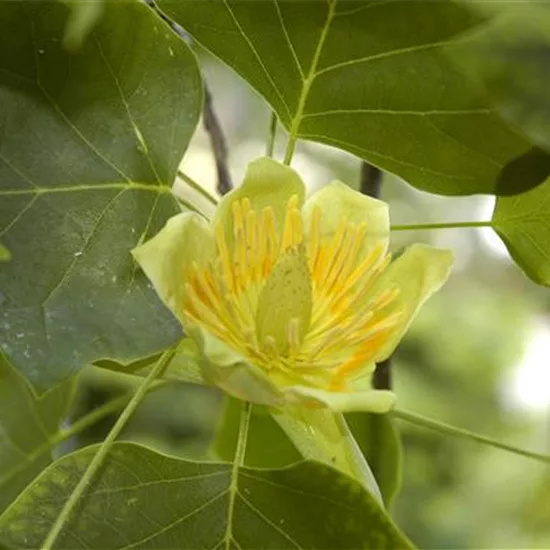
[337, 201]
[375, 401]
[285, 302]
[168, 257]
[266, 183]
[419, 272]
[230, 371]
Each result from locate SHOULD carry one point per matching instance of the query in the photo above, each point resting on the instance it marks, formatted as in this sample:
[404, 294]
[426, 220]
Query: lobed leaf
[28, 425]
[508, 56]
[147, 500]
[372, 78]
[90, 146]
[523, 223]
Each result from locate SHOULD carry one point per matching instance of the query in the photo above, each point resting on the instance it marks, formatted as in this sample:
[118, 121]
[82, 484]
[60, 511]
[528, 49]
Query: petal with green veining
[169, 256]
[337, 201]
[419, 272]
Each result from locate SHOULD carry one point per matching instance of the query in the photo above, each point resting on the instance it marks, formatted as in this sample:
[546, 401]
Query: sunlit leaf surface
[147, 500]
[523, 223]
[370, 77]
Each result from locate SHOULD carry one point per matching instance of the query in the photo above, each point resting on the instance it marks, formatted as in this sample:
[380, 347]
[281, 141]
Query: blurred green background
[477, 356]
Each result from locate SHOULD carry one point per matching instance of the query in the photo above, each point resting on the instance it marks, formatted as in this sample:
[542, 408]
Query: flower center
[348, 321]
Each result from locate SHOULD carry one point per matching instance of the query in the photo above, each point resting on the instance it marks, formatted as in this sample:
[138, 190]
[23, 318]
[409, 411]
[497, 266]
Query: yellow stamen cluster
[348, 323]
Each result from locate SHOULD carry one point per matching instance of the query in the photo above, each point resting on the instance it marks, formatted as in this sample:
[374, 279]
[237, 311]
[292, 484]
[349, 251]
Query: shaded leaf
[147, 500]
[380, 443]
[5, 254]
[510, 57]
[370, 77]
[82, 19]
[282, 437]
[91, 142]
[267, 446]
[523, 223]
[28, 425]
[279, 437]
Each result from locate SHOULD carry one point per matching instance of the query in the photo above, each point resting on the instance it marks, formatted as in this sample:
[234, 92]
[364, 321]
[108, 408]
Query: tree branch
[371, 185]
[210, 120]
[218, 143]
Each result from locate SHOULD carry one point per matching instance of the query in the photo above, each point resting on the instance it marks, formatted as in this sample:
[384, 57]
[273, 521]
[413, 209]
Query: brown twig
[210, 120]
[217, 141]
[371, 185]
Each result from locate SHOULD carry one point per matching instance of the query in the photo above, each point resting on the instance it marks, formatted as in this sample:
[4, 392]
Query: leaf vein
[271, 524]
[386, 55]
[181, 519]
[257, 56]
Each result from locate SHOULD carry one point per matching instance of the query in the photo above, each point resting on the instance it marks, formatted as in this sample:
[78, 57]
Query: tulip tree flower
[292, 301]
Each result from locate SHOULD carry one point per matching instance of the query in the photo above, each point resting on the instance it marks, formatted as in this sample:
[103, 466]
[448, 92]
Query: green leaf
[523, 223]
[380, 443]
[509, 57]
[28, 425]
[5, 254]
[84, 15]
[91, 142]
[372, 78]
[144, 499]
[268, 446]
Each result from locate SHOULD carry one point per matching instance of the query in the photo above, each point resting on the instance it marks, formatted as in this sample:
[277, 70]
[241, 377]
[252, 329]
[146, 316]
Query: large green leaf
[370, 77]
[90, 146]
[28, 425]
[147, 500]
[509, 56]
[523, 223]
[380, 443]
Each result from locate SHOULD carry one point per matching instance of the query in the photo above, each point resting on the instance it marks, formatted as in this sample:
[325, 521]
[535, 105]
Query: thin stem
[240, 451]
[96, 415]
[441, 427]
[99, 457]
[270, 147]
[306, 85]
[190, 206]
[449, 225]
[217, 140]
[197, 187]
[74, 429]
[238, 462]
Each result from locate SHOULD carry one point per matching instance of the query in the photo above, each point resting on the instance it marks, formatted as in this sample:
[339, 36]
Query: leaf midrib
[307, 83]
[154, 188]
